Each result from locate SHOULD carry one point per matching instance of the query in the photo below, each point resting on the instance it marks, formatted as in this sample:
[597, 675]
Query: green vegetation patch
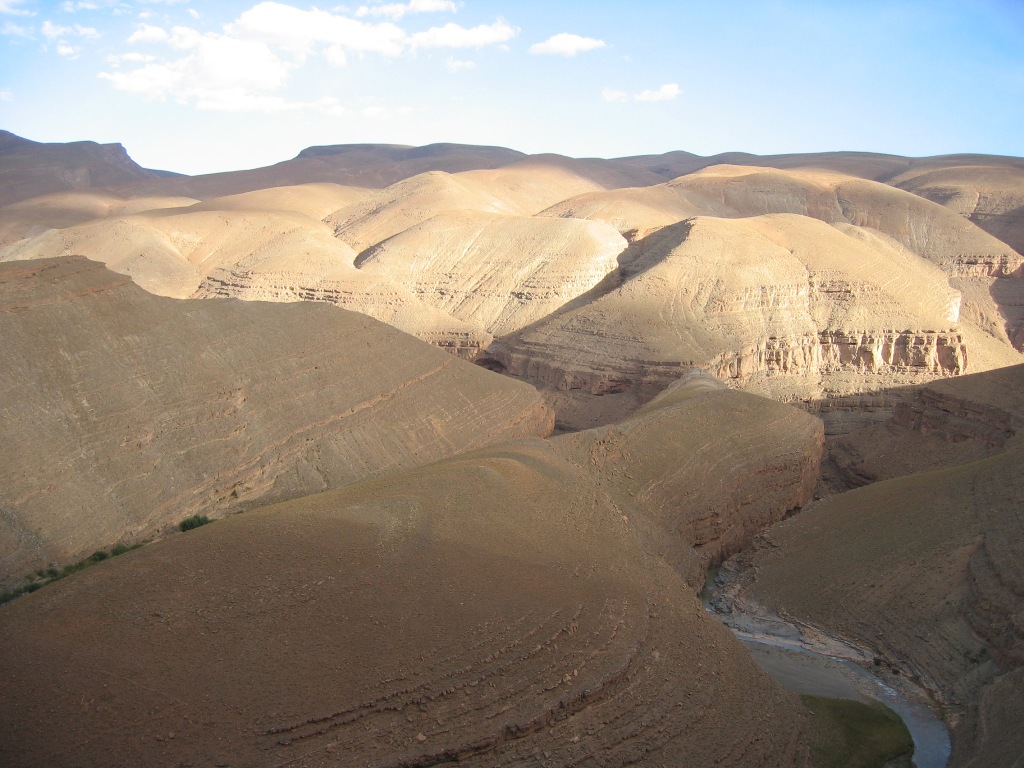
[41, 578]
[856, 735]
[193, 522]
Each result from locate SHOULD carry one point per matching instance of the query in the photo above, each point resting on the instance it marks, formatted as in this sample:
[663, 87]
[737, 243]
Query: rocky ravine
[503, 607]
[925, 568]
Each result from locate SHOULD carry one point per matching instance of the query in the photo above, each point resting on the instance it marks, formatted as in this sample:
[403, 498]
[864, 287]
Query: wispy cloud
[567, 44]
[398, 10]
[248, 64]
[15, 30]
[456, 65]
[455, 36]
[6, 96]
[53, 31]
[667, 92]
[14, 8]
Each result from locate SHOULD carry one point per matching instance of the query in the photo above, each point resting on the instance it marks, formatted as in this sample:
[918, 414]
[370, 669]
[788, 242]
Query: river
[814, 663]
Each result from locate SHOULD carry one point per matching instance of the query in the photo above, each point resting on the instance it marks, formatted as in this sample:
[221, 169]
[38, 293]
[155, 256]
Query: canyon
[473, 426]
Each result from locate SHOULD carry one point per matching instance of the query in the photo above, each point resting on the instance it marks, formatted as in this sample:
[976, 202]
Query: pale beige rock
[29, 218]
[991, 196]
[499, 273]
[752, 300]
[125, 412]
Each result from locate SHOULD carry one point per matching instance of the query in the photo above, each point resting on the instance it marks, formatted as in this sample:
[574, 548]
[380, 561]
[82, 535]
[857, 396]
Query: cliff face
[752, 300]
[31, 168]
[125, 412]
[923, 565]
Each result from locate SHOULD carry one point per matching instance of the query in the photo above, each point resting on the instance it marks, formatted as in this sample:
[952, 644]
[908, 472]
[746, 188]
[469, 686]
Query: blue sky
[198, 87]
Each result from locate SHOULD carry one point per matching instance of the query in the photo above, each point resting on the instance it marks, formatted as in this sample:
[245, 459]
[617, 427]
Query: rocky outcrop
[497, 273]
[754, 301]
[125, 412]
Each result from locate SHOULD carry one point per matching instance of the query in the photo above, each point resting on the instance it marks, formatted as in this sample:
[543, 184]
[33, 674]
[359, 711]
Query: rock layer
[498, 608]
[124, 412]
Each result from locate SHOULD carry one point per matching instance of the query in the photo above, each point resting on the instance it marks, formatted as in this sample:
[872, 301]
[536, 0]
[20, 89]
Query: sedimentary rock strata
[498, 608]
[749, 299]
[924, 568]
[124, 412]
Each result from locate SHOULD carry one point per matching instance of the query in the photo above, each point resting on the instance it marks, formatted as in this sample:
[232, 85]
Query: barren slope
[496, 608]
[783, 303]
[33, 217]
[30, 168]
[926, 568]
[499, 273]
[123, 412]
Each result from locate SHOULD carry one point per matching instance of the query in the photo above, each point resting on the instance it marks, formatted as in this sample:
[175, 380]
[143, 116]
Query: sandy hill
[866, 165]
[990, 196]
[314, 200]
[242, 250]
[498, 608]
[32, 217]
[499, 273]
[925, 568]
[124, 411]
[782, 304]
[30, 168]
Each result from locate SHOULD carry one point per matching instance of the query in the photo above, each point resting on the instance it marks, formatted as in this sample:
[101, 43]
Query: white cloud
[398, 10]
[567, 44]
[193, 13]
[12, 7]
[455, 36]
[15, 30]
[247, 65]
[6, 96]
[147, 33]
[217, 67]
[299, 31]
[610, 94]
[81, 5]
[52, 31]
[667, 92]
[455, 65]
[67, 51]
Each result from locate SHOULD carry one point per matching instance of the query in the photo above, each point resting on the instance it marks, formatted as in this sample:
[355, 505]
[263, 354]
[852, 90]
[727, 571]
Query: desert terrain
[472, 428]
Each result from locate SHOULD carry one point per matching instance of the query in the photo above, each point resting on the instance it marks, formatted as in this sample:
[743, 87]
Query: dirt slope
[124, 412]
[497, 608]
[926, 568]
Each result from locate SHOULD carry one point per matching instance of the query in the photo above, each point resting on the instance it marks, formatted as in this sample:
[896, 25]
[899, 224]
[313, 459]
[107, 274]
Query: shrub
[193, 522]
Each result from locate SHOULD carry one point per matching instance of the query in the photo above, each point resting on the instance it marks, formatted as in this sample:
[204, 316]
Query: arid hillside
[125, 412]
[503, 607]
[924, 566]
[473, 427]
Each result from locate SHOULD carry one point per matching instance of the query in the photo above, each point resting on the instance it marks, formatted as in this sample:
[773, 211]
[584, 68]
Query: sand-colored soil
[501, 607]
[124, 412]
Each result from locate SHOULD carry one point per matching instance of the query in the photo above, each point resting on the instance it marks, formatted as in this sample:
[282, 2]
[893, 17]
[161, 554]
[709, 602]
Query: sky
[199, 87]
